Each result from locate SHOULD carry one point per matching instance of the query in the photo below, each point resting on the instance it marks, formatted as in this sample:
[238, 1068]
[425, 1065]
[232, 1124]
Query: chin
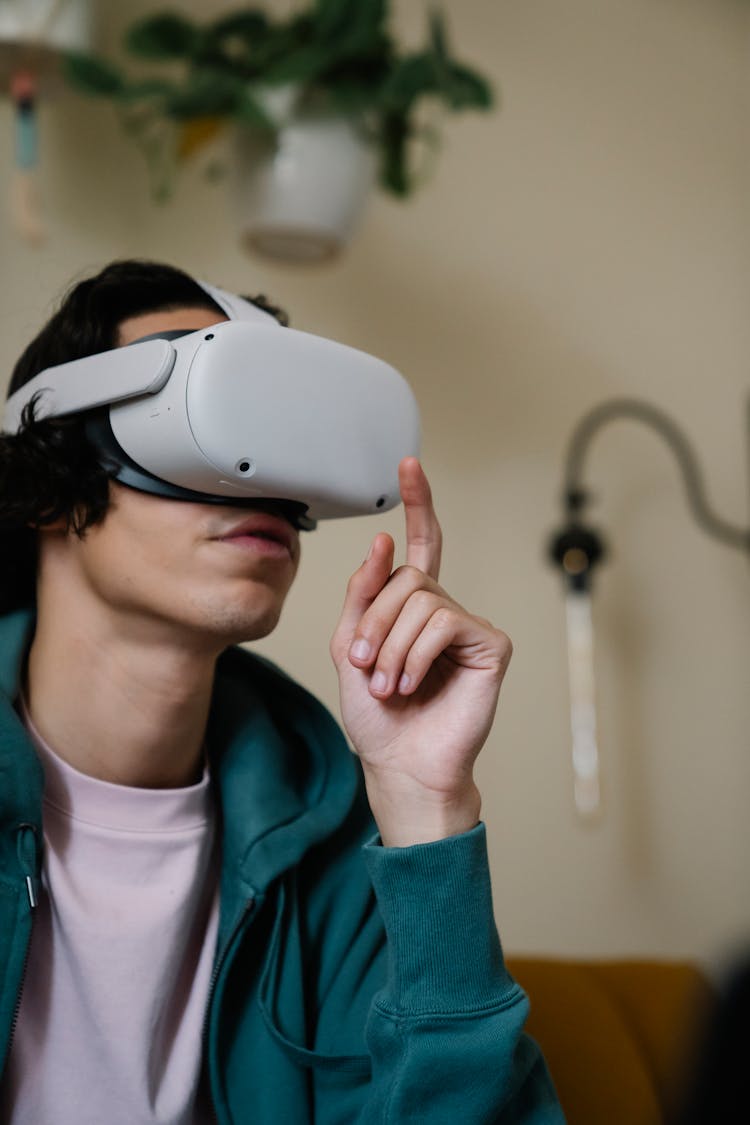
[230, 626]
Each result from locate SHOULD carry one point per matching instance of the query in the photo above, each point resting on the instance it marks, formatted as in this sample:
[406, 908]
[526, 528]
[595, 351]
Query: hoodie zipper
[26, 851]
[247, 910]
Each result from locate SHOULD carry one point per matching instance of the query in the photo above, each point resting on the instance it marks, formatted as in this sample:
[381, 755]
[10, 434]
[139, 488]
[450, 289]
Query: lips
[261, 526]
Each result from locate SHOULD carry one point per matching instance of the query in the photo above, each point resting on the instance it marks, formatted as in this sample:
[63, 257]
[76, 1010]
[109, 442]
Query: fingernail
[368, 556]
[378, 682]
[360, 649]
[404, 683]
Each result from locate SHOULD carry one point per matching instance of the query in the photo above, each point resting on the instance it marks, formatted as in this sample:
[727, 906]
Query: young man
[209, 908]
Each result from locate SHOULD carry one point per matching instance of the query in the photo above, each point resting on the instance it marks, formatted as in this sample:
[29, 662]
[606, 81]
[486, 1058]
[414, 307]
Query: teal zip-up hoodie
[353, 984]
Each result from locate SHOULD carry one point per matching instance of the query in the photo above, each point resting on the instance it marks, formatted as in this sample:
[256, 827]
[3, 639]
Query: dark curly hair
[48, 470]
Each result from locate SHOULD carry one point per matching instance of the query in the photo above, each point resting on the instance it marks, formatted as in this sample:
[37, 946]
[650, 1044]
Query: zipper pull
[26, 850]
[31, 892]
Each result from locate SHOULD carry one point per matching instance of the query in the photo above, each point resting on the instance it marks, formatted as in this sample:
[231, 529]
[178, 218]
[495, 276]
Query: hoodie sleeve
[385, 994]
[445, 1032]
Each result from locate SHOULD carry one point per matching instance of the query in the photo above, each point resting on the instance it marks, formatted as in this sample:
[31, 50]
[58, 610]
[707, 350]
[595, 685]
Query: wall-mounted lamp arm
[577, 548]
[576, 495]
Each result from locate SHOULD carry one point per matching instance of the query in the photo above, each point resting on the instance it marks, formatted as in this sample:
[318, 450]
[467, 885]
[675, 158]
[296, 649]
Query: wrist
[407, 813]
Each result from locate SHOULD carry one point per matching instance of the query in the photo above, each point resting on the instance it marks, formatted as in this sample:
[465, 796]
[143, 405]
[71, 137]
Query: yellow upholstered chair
[616, 1034]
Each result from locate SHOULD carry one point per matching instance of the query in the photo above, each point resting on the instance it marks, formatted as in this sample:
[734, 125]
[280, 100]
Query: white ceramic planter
[34, 32]
[300, 198]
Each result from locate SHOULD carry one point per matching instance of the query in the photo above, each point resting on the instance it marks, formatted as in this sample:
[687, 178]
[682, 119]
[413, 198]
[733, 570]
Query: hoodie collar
[21, 778]
[16, 630]
[286, 775]
[283, 768]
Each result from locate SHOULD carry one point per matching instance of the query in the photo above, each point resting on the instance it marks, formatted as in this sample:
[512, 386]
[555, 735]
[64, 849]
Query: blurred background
[589, 239]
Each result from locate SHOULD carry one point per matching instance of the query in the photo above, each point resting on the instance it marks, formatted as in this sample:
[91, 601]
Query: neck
[123, 704]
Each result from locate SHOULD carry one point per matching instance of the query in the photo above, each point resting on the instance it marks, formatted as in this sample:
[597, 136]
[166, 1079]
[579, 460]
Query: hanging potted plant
[321, 104]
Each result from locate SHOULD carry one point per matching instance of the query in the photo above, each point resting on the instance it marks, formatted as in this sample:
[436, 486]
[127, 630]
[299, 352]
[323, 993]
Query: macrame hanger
[24, 203]
[24, 196]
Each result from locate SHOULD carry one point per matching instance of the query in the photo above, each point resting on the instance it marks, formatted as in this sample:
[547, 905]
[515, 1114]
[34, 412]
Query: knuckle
[373, 625]
[504, 647]
[334, 648]
[410, 579]
[422, 601]
[406, 573]
[444, 618]
[373, 619]
[352, 585]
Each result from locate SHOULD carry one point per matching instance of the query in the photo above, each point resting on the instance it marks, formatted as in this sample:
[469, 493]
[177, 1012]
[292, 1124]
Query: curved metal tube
[641, 411]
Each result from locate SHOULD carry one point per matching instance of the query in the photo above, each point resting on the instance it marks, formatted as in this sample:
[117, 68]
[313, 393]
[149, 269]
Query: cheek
[152, 559]
[132, 549]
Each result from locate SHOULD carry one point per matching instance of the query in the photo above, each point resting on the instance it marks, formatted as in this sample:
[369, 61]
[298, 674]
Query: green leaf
[357, 37]
[205, 94]
[162, 37]
[418, 76]
[239, 42]
[337, 18]
[92, 75]
[249, 111]
[438, 36]
[350, 95]
[458, 86]
[331, 16]
[149, 89]
[363, 51]
[276, 50]
[300, 66]
[250, 24]
[411, 78]
[465, 89]
[394, 136]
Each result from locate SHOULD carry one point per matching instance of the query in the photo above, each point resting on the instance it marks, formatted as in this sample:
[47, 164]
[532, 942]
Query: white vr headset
[240, 412]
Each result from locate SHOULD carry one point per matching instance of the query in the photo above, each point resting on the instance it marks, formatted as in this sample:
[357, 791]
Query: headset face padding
[124, 470]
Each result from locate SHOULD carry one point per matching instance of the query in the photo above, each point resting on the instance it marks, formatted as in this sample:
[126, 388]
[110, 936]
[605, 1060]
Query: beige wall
[590, 240]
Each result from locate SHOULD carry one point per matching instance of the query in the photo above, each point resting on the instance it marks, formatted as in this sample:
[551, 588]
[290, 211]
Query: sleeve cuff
[436, 903]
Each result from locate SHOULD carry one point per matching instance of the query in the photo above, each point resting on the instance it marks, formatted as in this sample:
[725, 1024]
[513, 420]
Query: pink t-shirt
[119, 969]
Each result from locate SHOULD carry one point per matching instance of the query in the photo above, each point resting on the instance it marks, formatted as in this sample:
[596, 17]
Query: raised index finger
[424, 539]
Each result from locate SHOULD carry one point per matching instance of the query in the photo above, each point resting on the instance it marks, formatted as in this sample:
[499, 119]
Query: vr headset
[241, 412]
